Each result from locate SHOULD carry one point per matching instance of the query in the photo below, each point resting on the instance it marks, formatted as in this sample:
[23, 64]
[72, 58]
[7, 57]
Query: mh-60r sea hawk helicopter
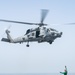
[39, 34]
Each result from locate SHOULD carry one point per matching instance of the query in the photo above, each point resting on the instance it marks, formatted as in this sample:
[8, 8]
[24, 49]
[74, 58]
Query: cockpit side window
[44, 27]
[28, 31]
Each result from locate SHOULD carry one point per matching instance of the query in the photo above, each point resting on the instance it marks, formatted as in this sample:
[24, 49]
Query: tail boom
[5, 40]
[8, 39]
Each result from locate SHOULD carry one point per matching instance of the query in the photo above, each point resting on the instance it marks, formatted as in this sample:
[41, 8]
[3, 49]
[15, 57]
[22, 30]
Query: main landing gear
[50, 42]
[27, 44]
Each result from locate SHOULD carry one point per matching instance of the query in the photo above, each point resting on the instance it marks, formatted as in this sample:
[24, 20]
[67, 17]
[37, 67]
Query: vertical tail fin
[8, 35]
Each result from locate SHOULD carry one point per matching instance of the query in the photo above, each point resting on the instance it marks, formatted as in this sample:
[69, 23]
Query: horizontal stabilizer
[5, 40]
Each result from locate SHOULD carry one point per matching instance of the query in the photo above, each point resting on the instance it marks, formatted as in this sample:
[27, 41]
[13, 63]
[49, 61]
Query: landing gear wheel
[51, 42]
[27, 45]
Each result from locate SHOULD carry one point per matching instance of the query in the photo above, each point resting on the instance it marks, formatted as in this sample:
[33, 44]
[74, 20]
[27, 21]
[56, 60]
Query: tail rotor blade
[6, 29]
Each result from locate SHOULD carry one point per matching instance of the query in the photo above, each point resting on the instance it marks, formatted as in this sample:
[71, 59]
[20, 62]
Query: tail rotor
[6, 29]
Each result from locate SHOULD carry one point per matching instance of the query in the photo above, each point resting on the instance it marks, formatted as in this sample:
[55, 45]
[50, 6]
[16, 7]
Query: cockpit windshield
[53, 30]
[28, 31]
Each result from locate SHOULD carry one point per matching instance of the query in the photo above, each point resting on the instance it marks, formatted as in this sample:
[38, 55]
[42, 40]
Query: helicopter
[40, 34]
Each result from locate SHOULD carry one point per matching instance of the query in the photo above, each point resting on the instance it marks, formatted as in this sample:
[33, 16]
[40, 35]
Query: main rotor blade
[69, 24]
[44, 13]
[19, 22]
[64, 24]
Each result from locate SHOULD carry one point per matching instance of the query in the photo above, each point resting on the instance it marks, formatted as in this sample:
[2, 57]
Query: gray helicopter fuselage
[41, 35]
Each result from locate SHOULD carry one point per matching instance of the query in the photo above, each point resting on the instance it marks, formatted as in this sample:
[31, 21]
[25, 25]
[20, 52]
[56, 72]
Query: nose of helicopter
[60, 34]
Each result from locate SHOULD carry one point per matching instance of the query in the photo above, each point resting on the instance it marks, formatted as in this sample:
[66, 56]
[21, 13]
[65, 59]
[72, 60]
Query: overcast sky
[43, 57]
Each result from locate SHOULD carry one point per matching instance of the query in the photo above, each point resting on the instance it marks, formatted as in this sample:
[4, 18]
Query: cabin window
[32, 34]
[28, 36]
[48, 30]
[23, 38]
[44, 27]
